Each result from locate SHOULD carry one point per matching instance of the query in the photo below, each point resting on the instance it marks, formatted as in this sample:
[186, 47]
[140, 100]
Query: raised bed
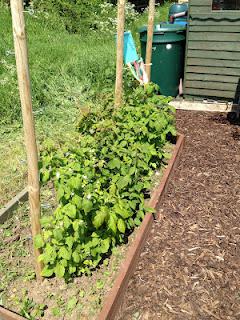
[114, 297]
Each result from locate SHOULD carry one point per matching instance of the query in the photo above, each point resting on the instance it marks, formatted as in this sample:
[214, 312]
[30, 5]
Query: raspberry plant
[102, 181]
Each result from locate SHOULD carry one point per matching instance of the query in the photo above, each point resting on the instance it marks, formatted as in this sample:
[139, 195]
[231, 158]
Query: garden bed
[189, 267]
[85, 296]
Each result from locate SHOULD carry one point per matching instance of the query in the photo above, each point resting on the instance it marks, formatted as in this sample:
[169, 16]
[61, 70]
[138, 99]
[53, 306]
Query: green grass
[68, 71]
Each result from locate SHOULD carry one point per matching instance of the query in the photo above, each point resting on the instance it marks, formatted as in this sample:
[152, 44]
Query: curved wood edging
[115, 295]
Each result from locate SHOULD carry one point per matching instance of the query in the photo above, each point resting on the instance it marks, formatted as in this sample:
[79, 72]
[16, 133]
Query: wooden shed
[212, 67]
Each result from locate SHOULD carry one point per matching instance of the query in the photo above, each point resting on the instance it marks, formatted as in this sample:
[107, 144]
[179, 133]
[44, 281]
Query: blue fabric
[130, 52]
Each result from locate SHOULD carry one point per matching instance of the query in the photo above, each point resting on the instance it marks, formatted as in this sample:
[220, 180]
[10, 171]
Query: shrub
[102, 181]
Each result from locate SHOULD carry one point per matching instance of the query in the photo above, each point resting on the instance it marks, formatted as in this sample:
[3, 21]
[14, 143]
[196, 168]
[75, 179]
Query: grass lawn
[68, 71]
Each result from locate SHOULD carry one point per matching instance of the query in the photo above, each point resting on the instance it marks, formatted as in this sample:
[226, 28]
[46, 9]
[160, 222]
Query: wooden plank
[213, 62]
[203, 2]
[206, 106]
[215, 46]
[213, 22]
[211, 85]
[214, 70]
[215, 36]
[224, 55]
[211, 77]
[9, 315]
[214, 28]
[200, 9]
[7, 211]
[210, 93]
[216, 15]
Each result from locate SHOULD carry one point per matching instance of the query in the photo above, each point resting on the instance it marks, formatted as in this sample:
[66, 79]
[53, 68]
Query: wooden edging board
[7, 211]
[115, 296]
[204, 106]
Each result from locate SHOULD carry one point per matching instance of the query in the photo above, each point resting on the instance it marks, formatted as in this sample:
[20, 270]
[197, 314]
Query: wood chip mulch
[190, 266]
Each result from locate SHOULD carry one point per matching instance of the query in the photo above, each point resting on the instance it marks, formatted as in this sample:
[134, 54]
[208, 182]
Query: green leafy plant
[102, 182]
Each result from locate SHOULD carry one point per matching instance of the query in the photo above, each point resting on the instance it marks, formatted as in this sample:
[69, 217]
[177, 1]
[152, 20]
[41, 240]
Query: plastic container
[167, 56]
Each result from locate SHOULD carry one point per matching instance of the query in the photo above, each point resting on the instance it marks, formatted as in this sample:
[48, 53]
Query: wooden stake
[21, 54]
[120, 47]
[151, 16]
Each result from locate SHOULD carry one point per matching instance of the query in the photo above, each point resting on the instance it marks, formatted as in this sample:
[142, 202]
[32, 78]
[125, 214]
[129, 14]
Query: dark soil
[190, 266]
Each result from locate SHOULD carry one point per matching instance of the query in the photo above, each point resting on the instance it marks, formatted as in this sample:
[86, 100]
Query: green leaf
[67, 222]
[112, 224]
[105, 245]
[64, 253]
[59, 270]
[70, 210]
[76, 257]
[77, 201]
[123, 182]
[121, 226]
[45, 176]
[72, 269]
[60, 192]
[47, 272]
[38, 241]
[99, 218]
[87, 205]
[69, 241]
[58, 234]
[115, 163]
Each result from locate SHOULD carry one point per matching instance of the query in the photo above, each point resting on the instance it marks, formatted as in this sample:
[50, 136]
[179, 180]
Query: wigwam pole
[21, 54]
[151, 16]
[120, 46]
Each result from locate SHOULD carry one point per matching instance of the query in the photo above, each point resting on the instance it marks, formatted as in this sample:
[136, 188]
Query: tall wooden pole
[151, 16]
[21, 54]
[120, 47]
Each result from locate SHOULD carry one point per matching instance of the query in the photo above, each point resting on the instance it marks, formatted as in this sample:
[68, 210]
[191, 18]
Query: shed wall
[212, 66]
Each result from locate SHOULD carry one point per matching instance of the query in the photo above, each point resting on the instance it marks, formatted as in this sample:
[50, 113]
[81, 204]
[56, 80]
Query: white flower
[58, 175]
[89, 196]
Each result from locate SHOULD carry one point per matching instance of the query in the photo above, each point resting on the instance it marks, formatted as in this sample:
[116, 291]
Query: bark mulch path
[190, 266]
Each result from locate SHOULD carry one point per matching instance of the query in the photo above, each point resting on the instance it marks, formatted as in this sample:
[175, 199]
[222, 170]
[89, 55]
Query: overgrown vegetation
[102, 180]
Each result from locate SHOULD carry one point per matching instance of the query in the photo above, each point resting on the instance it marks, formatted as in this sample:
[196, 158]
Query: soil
[190, 266]
[53, 299]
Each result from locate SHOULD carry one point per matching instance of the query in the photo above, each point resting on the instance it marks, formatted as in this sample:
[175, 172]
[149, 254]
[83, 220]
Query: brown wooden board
[116, 294]
[7, 211]
[9, 315]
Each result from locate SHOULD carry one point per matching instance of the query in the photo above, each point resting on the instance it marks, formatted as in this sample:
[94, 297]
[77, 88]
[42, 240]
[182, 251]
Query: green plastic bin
[167, 56]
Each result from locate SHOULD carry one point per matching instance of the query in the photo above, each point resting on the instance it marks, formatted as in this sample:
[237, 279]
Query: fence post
[120, 46]
[21, 55]
[151, 16]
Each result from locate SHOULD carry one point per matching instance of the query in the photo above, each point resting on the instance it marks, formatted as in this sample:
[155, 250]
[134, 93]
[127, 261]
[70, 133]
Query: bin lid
[178, 7]
[165, 27]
